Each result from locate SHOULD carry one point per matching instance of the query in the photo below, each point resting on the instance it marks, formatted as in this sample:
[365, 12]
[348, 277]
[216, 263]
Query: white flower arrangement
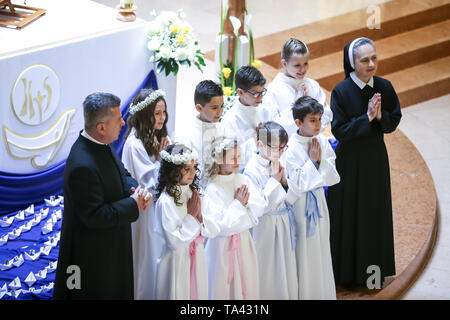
[147, 101]
[228, 102]
[172, 42]
[179, 158]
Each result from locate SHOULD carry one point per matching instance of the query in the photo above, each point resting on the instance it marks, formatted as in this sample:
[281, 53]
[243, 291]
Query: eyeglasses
[283, 148]
[256, 95]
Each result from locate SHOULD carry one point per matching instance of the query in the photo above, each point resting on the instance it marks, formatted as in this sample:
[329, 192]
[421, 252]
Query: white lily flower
[236, 24]
[247, 19]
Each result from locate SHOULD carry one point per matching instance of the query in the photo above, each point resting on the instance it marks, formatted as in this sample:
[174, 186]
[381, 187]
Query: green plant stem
[235, 60]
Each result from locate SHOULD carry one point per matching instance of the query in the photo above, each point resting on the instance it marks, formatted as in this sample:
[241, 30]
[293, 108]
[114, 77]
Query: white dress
[283, 91]
[273, 235]
[183, 264]
[147, 245]
[199, 137]
[231, 256]
[240, 122]
[314, 266]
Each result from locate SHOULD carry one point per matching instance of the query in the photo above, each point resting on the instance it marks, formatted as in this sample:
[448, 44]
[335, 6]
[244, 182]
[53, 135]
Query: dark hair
[247, 77]
[293, 46]
[306, 105]
[170, 175]
[271, 131]
[360, 43]
[96, 107]
[144, 122]
[205, 91]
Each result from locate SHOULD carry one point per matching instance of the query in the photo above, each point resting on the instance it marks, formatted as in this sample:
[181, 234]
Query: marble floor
[425, 124]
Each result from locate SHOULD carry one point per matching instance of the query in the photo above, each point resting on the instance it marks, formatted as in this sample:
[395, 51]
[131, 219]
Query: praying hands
[374, 107]
[194, 206]
[315, 151]
[141, 196]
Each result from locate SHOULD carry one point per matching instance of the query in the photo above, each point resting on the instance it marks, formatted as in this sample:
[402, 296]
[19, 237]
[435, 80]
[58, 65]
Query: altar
[49, 67]
[46, 70]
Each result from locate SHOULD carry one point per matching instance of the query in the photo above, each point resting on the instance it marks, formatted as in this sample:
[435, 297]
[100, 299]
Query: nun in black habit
[365, 107]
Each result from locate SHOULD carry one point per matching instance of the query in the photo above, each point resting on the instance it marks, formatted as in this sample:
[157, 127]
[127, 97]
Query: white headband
[223, 146]
[350, 52]
[179, 158]
[147, 101]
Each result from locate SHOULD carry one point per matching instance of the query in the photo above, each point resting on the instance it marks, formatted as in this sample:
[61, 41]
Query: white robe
[272, 236]
[180, 229]
[233, 219]
[198, 137]
[147, 245]
[314, 266]
[240, 122]
[283, 91]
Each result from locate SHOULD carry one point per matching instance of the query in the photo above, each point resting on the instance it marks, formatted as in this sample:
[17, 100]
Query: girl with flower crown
[233, 203]
[145, 138]
[182, 270]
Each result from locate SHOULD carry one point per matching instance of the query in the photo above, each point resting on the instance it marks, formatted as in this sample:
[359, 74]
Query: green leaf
[201, 61]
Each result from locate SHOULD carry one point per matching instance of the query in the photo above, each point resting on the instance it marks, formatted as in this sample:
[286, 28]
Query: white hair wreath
[147, 101]
[179, 158]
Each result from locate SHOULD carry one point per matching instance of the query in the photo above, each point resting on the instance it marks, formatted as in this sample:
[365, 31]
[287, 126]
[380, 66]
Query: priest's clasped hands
[141, 196]
[374, 107]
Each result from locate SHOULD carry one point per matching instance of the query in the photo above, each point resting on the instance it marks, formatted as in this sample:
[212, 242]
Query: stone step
[330, 35]
[422, 82]
[395, 53]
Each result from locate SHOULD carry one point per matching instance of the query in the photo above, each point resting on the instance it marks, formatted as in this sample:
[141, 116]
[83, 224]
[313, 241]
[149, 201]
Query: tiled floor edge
[405, 281]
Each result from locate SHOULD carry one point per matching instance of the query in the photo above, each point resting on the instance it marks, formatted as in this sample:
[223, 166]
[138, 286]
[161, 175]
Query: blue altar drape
[19, 190]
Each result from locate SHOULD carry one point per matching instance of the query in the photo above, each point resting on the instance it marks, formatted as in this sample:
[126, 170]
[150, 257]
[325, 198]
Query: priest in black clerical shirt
[100, 203]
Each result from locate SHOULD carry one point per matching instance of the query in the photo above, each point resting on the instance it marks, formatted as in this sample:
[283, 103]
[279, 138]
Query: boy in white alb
[310, 164]
[208, 99]
[241, 120]
[275, 233]
[292, 84]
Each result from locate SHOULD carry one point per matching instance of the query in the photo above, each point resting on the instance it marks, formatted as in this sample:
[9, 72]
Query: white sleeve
[273, 192]
[321, 97]
[302, 177]
[145, 169]
[179, 232]
[230, 218]
[327, 168]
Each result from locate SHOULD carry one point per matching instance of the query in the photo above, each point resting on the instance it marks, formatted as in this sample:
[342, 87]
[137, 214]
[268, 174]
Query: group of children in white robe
[239, 209]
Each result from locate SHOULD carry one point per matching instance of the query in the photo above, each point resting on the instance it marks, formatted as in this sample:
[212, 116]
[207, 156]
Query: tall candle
[126, 3]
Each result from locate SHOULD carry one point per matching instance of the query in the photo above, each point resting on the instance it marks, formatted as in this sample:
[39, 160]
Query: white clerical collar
[87, 136]
[302, 139]
[361, 84]
[201, 124]
[225, 178]
[262, 162]
[247, 108]
[293, 82]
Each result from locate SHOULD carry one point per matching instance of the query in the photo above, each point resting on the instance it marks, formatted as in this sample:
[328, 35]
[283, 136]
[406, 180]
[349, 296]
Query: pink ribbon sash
[193, 275]
[234, 248]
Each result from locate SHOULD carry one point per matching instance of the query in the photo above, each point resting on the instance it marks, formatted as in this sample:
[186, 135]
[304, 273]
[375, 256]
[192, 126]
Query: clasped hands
[374, 107]
[141, 196]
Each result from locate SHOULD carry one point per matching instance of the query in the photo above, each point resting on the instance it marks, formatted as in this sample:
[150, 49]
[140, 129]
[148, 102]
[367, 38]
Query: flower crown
[147, 101]
[224, 145]
[179, 158]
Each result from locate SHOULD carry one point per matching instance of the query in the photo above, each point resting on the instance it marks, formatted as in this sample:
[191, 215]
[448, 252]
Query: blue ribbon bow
[290, 212]
[312, 213]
